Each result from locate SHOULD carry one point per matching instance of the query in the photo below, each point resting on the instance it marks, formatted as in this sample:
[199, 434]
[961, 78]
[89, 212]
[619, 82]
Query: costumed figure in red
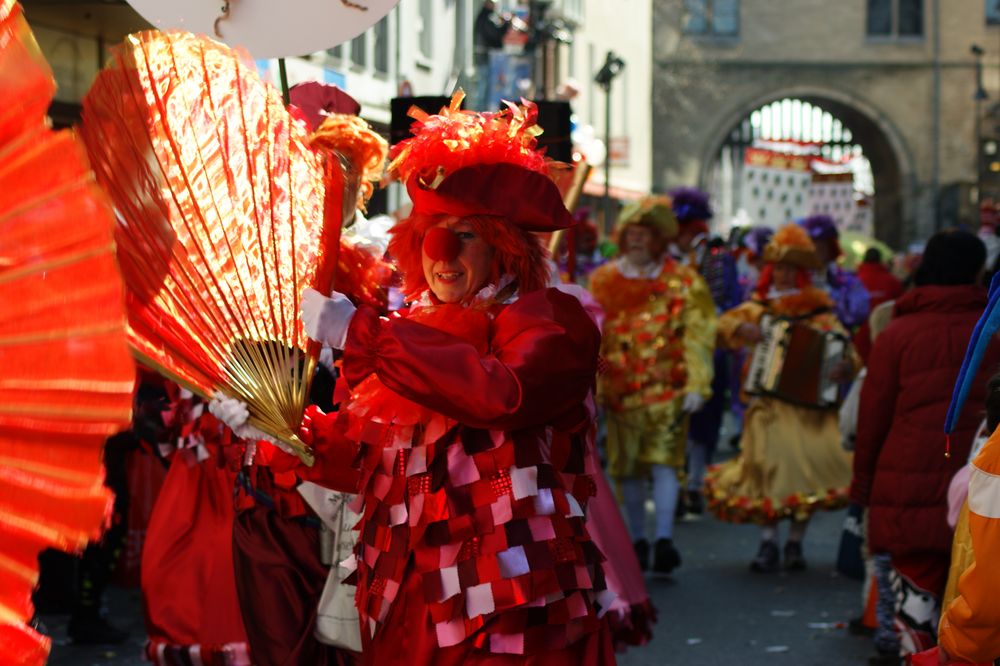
[791, 462]
[277, 535]
[467, 415]
[188, 584]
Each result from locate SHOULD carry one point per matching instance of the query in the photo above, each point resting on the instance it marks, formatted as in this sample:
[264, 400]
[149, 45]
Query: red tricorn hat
[465, 163]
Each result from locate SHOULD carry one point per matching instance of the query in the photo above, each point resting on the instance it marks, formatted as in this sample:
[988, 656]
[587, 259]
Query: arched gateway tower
[898, 81]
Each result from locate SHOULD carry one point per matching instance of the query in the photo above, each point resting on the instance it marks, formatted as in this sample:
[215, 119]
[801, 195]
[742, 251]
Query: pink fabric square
[416, 509]
[389, 460]
[524, 481]
[575, 511]
[461, 467]
[449, 583]
[544, 504]
[397, 514]
[370, 555]
[350, 564]
[577, 605]
[507, 643]
[402, 437]
[435, 430]
[391, 589]
[417, 464]
[449, 554]
[604, 600]
[479, 600]
[381, 486]
[502, 510]
[541, 528]
[450, 633]
[513, 562]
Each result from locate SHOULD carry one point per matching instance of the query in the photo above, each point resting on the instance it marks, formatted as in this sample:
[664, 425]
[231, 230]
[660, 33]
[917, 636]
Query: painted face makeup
[455, 270]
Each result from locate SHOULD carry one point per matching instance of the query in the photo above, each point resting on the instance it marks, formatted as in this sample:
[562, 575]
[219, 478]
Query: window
[359, 50]
[712, 17]
[896, 18]
[336, 52]
[381, 35]
[426, 25]
[992, 12]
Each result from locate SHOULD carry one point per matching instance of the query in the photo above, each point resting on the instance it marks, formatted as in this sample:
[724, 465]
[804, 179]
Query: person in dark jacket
[901, 471]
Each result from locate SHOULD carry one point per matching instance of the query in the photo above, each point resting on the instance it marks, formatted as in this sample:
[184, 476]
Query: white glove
[325, 319]
[234, 413]
[693, 402]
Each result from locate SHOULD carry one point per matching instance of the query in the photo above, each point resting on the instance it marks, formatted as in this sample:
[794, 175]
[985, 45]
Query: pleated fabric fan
[66, 375]
[225, 215]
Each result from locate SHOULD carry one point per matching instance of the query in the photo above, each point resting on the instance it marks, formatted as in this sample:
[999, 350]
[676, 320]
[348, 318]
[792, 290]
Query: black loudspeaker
[399, 127]
[553, 118]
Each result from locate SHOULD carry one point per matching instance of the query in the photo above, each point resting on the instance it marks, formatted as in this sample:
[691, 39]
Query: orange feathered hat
[791, 244]
[465, 163]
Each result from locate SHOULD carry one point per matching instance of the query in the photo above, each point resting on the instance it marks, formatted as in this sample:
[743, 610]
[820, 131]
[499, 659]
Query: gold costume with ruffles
[791, 461]
[659, 336]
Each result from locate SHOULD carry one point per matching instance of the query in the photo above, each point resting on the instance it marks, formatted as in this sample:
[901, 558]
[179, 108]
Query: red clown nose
[442, 244]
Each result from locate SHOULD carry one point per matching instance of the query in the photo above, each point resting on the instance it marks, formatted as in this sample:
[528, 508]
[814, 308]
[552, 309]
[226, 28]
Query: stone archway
[893, 168]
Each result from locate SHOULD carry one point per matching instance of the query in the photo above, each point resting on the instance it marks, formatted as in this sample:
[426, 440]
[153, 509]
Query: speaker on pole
[554, 119]
[399, 126]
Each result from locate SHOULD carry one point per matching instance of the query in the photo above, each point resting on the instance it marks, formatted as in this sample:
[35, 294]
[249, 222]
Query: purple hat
[757, 238]
[690, 204]
[820, 227]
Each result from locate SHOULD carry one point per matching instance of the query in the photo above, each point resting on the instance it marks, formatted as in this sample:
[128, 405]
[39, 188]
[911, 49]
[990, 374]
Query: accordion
[792, 362]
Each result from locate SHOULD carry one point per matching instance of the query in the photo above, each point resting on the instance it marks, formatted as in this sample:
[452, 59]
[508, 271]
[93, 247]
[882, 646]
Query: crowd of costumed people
[428, 439]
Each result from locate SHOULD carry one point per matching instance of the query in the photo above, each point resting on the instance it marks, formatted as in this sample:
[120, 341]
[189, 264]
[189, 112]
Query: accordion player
[793, 362]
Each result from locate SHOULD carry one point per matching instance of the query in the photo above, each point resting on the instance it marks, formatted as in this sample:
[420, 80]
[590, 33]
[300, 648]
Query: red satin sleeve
[540, 370]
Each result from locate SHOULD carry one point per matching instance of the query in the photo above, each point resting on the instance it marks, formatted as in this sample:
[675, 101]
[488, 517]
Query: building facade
[624, 28]
[900, 75]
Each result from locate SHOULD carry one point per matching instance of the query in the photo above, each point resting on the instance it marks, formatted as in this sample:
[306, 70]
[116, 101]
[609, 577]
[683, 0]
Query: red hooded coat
[900, 469]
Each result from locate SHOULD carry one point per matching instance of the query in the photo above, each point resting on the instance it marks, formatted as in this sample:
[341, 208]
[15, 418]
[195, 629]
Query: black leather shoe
[666, 557]
[767, 560]
[794, 561]
[92, 629]
[642, 552]
[696, 504]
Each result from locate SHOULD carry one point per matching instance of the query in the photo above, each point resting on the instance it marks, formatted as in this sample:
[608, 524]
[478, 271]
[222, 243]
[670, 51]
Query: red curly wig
[516, 252]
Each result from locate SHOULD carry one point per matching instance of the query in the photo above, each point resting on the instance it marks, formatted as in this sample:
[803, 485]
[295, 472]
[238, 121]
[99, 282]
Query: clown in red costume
[467, 416]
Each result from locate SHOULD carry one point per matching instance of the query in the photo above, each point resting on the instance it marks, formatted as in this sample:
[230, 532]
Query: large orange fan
[221, 220]
[66, 376]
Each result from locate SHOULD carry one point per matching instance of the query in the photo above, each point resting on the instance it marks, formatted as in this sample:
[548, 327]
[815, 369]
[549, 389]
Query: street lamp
[979, 96]
[613, 65]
